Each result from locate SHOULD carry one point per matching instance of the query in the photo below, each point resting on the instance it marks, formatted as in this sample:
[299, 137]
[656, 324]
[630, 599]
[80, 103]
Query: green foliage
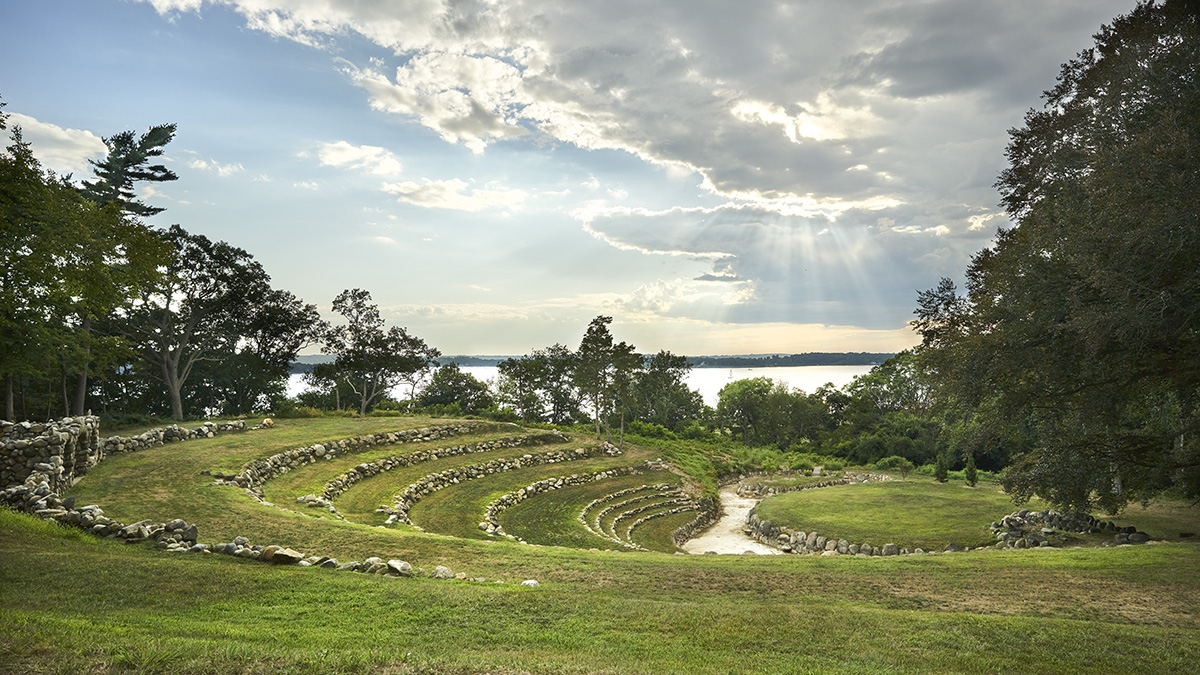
[128, 162]
[213, 331]
[896, 463]
[1075, 347]
[371, 361]
[970, 474]
[452, 387]
[941, 470]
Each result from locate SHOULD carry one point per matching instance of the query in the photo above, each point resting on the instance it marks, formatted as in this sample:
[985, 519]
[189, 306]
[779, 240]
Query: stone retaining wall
[709, 507]
[259, 471]
[491, 516]
[73, 445]
[64, 450]
[57, 452]
[434, 482]
[172, 434]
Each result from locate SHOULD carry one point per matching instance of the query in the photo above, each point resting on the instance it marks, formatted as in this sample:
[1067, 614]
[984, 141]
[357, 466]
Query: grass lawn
[552, 518]
[458, 509]
[72, 604]
[69, 604]
[917, 512]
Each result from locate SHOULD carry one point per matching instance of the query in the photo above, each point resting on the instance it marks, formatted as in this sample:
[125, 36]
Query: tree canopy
[1077, 342]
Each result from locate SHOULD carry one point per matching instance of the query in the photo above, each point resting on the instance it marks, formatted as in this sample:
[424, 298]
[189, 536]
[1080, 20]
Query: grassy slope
[70, 604]
[1118, 610]
[914, 512]
[552, 518]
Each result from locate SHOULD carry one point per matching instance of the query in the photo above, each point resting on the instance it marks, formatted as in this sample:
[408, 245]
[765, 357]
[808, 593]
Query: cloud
[63, 150]
[715, 89]
[452, 194]
[213, 166]
[307, 185]
[366, 158]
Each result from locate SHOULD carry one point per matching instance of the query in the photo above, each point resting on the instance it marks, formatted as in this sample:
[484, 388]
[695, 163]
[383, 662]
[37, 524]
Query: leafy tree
[742, 407]
[1077, 340]
[371, 360]
[64, 262]
[604, 372]
[214, 305]
[252, 378]
[662, 395]
[896, 463]
[451, 385]
[128, 162]
[519, 384]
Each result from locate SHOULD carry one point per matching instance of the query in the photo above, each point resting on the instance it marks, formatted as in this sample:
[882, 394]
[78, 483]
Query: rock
[268, 553]
[442, 572]
[1139, 538]
[399, 568]
[530, 583]
[287, 556]
[191, 534]
[891, 549]
[329, 564]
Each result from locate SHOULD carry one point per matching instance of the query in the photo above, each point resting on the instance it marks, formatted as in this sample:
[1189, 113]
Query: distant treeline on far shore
[304, 364]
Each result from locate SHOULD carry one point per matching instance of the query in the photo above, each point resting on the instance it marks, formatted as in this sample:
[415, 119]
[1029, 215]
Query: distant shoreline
[306, 363]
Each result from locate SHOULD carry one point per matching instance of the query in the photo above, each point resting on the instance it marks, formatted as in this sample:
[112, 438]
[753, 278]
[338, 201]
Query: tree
[1078, 343]
[450, 385]
[277, 326]
[371, 360]
[214, 304]
[663, 396]
[519, 384]
[65, 261]
[970, 474]
[603, 371]
[941, 471]
[742, 407]
[128, 162]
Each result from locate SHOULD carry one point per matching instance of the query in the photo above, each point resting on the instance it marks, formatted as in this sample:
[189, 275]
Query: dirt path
[726, 535]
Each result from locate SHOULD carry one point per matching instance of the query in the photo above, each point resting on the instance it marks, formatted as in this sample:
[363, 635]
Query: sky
[719, 176]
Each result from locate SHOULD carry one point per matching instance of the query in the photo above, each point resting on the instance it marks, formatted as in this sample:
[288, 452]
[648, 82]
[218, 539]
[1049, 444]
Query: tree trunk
[81, 383]
[171, 380]
[9, 409]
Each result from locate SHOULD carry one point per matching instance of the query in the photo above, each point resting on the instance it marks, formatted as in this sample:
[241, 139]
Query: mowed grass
[656, 534]
[72, 604]
[144, 611]
[359, 503]
[917, 512]
[458, 509]
[552, 518]
[311, 478]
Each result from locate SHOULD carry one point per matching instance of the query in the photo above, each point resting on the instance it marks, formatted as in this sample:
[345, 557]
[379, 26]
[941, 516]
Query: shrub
[896, 463]
[648, 430]
[969, 473]
[941, 471]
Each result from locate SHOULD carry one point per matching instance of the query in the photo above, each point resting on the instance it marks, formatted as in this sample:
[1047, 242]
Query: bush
[969, 473]
[648, 430]
[696, 432]
[941, 471]
[896, 463]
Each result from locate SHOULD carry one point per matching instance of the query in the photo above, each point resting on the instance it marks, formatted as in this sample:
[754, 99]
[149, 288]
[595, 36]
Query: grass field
[71, 604]
[917, 512]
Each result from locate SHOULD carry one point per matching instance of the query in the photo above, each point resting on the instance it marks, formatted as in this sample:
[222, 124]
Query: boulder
[287, 556]
[442, 572]
[399, 568]
[530, 583]
[891, 549]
